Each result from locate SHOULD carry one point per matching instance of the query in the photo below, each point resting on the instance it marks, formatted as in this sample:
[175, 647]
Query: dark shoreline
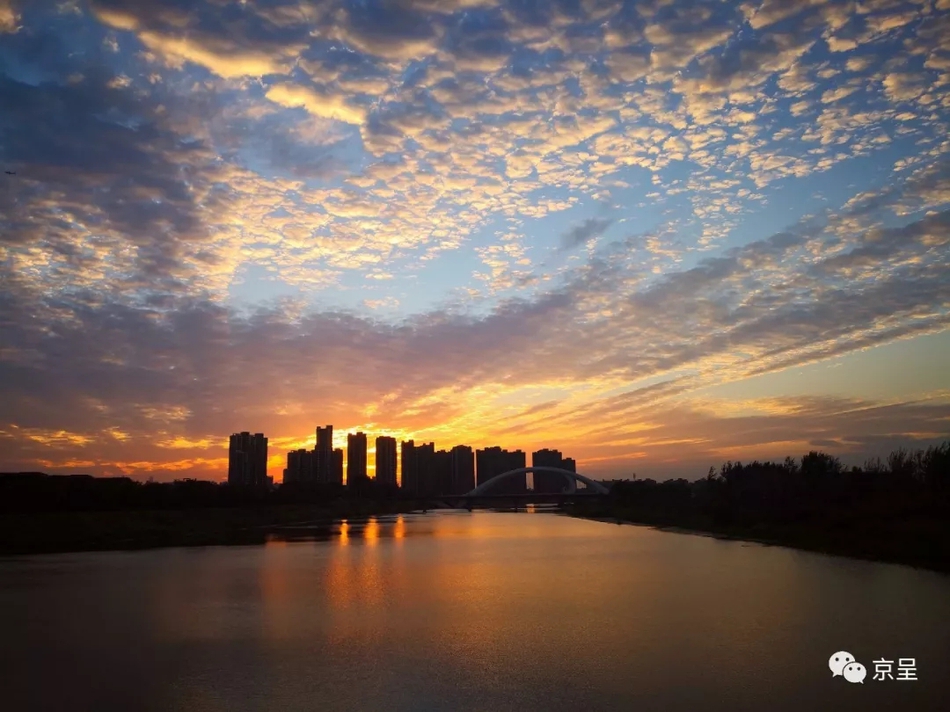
[901, 552]
[129, 530]
[30, 533]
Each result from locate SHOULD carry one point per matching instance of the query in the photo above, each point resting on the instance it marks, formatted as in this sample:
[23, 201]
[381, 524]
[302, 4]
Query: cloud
[294, 188]
[585, 232]
[328, 106]
[228, 46]
[119, 184]
[390, 32]
[9, 17]
[685, 34]
[218, 57]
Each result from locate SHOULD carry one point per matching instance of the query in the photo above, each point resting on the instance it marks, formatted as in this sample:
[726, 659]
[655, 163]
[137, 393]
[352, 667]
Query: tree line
[896, 508]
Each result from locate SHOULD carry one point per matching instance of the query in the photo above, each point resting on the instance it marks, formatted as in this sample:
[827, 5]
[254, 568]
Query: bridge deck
[469, 501]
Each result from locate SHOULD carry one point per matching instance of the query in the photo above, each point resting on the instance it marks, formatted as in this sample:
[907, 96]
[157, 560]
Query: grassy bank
[917, 540]
[48, 532]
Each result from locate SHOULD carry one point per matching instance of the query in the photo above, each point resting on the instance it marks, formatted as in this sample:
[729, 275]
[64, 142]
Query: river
[474, 611]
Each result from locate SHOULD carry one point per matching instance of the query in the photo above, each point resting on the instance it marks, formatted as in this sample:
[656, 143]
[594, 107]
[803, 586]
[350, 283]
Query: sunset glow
[653, 235]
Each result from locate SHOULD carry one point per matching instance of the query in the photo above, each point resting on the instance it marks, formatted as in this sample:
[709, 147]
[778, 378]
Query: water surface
[467, 611]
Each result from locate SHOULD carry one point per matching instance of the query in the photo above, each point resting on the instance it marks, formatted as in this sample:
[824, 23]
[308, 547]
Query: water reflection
[460, 611]
[368, 530]
[371, 531]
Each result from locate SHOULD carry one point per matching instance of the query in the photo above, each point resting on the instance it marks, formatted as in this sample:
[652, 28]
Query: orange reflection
[279, 620]
[371, 532]
[354, 578]
[344, 533]
[399, 529]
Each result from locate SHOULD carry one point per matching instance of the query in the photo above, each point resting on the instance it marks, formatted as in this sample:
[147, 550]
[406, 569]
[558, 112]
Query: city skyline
[431, 471]
[655, 234]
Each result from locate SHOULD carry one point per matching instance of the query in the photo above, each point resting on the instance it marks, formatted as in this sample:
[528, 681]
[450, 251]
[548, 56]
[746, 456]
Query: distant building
[425, 469]
[427, 472]
[247, 459]
[292, 471]
[493, 461]
[336, 473]
[300, 466]
[355, 457]
[409, 483]
[462, 479]
[439, 471]
[386, 461]
[323, 455]
[550, 482]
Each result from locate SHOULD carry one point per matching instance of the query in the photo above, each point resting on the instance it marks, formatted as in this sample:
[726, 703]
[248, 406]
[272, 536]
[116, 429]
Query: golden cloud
[328, 106]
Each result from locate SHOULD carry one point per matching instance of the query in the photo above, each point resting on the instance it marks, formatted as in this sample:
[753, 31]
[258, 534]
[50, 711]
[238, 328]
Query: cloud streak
[588, 230]
[358, 205]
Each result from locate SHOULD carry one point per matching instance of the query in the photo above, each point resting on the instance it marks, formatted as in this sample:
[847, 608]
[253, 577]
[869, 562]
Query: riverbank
[60, 532]
[920, 542]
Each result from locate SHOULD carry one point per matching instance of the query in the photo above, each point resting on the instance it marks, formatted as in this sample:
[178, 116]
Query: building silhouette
[386, 461]
[247, 459]
[550, 482]
[439, 480]
[355, 458]
[409, 482]
[424, 472]
[493, 461]
[336, 473]
[427, 472]
[292, 471]
[462, 477]
[425, 469]
[323, 455]
[300, 466]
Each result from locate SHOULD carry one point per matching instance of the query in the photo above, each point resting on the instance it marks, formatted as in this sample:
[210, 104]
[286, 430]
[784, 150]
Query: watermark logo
[843, 664]
[855, 672]
[837, 662]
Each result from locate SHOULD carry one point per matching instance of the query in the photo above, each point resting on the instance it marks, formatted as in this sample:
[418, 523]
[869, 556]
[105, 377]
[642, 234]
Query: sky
[654, 235]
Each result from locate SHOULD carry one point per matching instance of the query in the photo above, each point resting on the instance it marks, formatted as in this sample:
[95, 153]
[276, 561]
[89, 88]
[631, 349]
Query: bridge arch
[572, 477]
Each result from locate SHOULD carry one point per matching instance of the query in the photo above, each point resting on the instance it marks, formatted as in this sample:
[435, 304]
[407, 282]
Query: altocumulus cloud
[789, 185]
[585, 232]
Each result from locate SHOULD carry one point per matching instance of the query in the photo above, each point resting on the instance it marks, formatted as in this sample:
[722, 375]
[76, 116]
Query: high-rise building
[292, 471]
[439, 472]
[237, 465]
[247, 459]
[336, 473]
[308, 466]
[493, 461]
[409, 482]
[425, 472]
[355, 458]
[463, 470]
[323, 454]
[426, 465]
[548, 482]
[386, 461]
[300, 466]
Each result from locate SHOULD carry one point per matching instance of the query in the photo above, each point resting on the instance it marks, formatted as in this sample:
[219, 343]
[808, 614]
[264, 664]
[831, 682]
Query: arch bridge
[485, 497]
[572, 479]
